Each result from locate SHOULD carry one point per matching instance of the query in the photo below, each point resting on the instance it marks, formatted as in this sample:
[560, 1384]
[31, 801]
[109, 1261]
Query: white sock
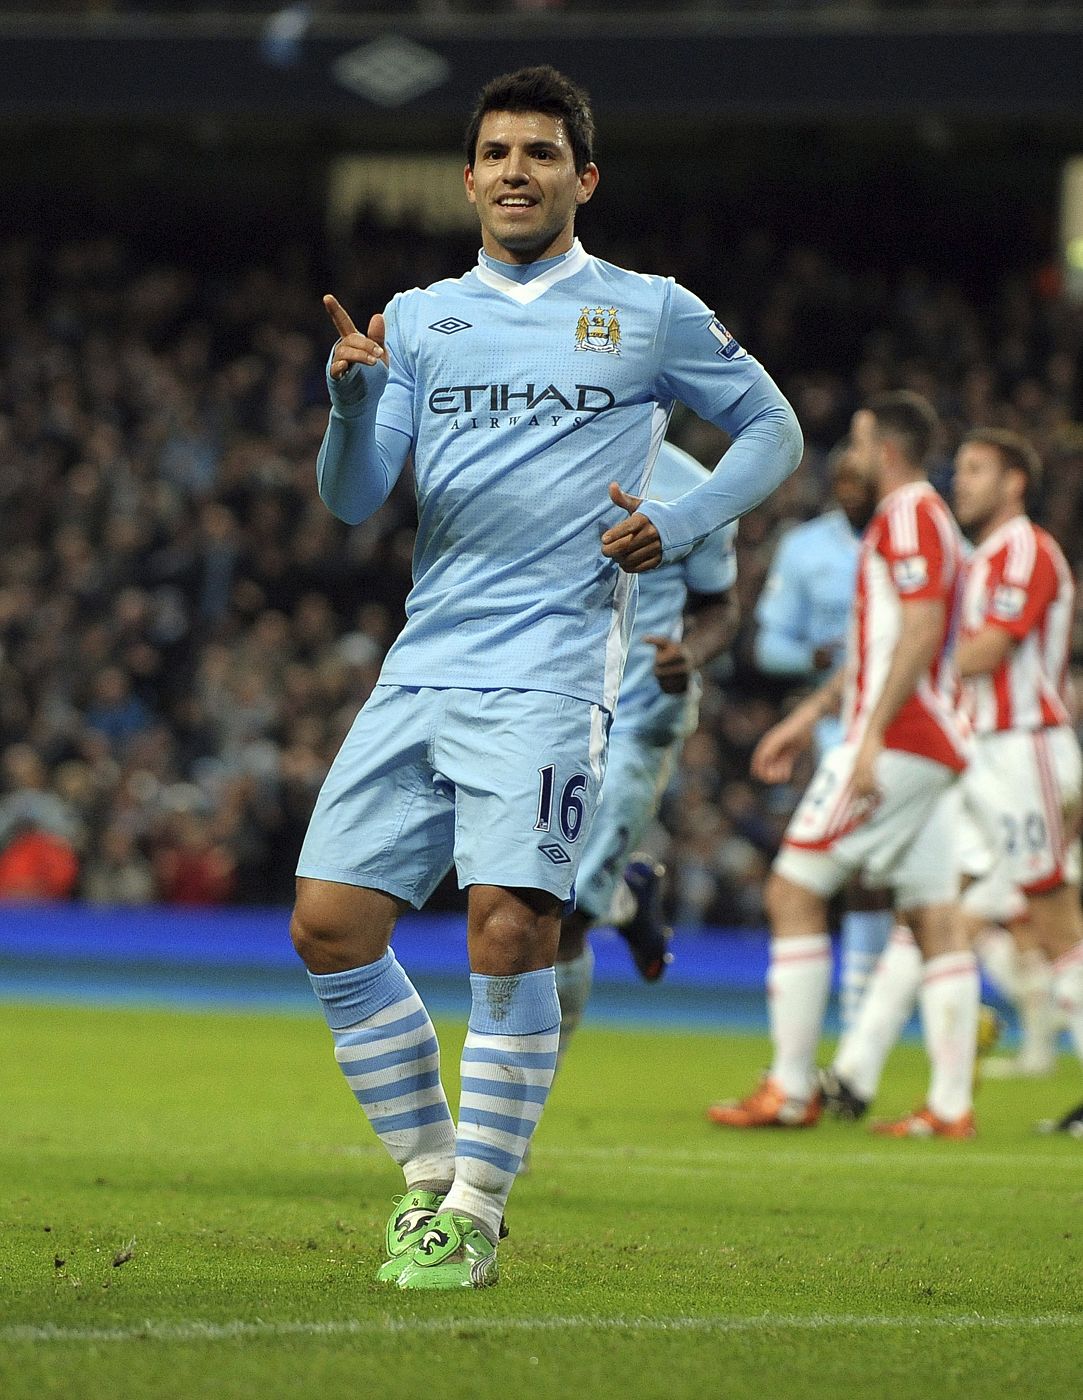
[574, 981]
[1036, 1008]
[864, 935]
[950, 995]
[885, 1010]
[798, 985]
[999, 956]
[1068, 991]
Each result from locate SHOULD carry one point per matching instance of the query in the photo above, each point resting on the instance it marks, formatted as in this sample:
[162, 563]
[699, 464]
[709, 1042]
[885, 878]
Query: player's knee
[788, 904]
[775, 896]
[311, 937]
[335, 927]
[321, 938]
[510, 937]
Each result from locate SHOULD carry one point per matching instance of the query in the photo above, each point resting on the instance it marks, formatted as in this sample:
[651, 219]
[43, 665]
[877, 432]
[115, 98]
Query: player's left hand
[635, 543]
[672, 664]
[863, 782]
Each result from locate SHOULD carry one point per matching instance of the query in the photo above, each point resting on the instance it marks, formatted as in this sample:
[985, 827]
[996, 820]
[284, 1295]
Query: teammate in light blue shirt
[804, 609]
[658, 708]
[533, 394]
[802, 618]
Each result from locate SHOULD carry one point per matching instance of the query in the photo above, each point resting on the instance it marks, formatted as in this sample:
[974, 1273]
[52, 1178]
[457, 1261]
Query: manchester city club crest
[598, 328]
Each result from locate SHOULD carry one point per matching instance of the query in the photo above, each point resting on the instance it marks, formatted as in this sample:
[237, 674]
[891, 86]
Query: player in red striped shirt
[883, 803]
[1024, 787]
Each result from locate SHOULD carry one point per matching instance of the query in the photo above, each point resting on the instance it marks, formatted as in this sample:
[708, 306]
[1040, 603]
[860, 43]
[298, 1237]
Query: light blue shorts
[501, 783]
[635, 777]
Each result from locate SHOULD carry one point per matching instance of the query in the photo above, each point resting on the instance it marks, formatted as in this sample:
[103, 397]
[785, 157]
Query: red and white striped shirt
[912, 550]
[1019, 580]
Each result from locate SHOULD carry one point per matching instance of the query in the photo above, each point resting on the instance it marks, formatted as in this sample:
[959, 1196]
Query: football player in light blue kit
[521, 389]
[802, 616]
[657, 710]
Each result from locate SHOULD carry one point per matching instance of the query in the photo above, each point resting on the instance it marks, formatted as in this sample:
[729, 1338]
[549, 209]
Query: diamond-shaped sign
[557, 854]
[391, 71]
[449, 325]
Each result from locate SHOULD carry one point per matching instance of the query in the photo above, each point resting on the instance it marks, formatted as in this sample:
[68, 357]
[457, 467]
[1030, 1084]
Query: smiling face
[525, 186]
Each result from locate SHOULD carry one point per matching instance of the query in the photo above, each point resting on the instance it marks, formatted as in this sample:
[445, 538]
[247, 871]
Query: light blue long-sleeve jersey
[522, 392]
[709, 568]
[806, 600]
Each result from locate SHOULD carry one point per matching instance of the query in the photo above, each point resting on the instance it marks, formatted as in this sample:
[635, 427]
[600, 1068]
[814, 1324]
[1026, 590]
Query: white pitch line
[195, 1331]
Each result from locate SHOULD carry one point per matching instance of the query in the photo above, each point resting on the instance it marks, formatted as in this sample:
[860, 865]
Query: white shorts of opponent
[904, 840]
[1020, 836]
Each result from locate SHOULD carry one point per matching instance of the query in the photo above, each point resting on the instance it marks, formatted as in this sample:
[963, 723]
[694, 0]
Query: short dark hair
[910, 419]
[1016, 453]
[540, 89]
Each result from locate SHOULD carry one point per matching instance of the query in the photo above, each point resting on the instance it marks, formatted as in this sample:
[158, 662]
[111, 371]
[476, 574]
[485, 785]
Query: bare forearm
[981, 654]
[919, 639]
[823, 701]
[827, 700]
[712, 631]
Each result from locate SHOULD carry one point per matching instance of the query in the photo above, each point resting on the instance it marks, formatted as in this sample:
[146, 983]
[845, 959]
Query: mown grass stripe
[196, 1331]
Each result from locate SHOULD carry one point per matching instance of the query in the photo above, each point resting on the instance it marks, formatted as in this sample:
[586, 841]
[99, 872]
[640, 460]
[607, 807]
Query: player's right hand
[353, 348]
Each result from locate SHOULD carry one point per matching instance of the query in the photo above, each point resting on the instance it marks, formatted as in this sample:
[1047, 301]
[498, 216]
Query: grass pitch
[651, 1255]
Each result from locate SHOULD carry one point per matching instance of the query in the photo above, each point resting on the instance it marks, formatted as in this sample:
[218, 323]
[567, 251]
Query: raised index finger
[338, 315]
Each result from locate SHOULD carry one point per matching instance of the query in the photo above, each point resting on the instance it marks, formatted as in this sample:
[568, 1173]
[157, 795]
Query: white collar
[526, 292]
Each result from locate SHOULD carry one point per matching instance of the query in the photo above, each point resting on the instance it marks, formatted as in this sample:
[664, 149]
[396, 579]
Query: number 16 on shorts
[570, 808]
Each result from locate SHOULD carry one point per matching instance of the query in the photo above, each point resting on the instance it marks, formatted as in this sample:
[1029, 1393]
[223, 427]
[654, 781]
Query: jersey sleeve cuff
[661, 516]
[357, 390]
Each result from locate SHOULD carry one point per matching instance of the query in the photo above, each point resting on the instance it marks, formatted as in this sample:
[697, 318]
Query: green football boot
[452, 1253]
[405, 1226]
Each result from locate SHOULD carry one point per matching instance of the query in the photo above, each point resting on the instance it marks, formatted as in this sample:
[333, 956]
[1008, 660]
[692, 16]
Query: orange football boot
[923, 1123]
[767, 1107]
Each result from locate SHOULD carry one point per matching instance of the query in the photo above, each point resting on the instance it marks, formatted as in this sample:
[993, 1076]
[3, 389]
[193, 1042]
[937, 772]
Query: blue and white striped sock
[508, 1063]
[864, 936]
[387, 1048]
[575, 979]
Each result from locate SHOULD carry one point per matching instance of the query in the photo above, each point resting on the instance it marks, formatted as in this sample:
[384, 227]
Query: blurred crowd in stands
[186, 633]
[438, 7]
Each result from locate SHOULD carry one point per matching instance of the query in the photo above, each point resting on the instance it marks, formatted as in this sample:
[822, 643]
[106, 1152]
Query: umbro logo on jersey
[449, 325]
[557, 854]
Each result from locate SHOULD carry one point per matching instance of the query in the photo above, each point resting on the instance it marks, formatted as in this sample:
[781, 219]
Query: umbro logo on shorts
[557, 854]
[449, 325]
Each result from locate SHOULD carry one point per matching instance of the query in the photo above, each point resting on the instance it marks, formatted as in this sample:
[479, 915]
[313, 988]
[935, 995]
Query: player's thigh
[989, 894]
[635, 775]
[925, 870]
[833, 835]
[526, 768]
[812, 854]
[382, 818]
[1029, 785]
